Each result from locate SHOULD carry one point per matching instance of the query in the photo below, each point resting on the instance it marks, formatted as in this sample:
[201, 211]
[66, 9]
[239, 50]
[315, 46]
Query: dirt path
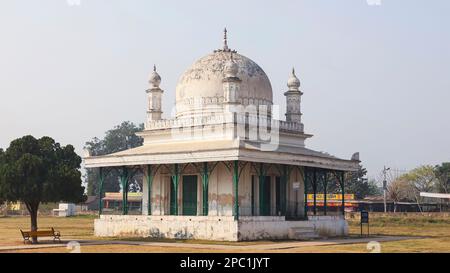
[253, 247]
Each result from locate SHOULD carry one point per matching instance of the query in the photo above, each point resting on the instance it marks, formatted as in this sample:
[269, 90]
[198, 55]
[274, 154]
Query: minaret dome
[155, 79]
[293, 81]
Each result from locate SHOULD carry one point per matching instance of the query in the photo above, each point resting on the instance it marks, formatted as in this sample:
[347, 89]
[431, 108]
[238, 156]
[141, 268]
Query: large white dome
[200, 89]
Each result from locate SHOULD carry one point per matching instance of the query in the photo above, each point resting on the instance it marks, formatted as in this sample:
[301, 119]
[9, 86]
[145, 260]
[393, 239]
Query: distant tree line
[407, 187]
[120, 138]
[355, 183]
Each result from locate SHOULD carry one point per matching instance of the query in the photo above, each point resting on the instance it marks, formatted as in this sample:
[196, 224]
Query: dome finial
[154, 68]
[225, 40]
[293, 71]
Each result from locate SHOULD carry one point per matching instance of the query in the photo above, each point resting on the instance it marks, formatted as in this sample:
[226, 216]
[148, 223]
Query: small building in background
[14, 206]
[91, 204]
[113, 201]
[376, 204]
[65, 210]
[332, 202]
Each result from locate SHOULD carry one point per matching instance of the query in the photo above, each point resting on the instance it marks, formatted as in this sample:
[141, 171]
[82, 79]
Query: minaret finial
[155, 79]
[225, 40]
[293, 81]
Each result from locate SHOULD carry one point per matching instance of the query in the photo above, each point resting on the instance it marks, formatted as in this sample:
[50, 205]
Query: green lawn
[70, 227]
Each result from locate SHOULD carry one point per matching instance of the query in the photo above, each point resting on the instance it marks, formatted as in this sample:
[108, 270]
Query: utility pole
[385, 186]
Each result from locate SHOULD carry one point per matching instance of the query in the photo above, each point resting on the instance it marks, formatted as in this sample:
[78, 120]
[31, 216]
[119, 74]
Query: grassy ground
[435, 229]
[81, 227]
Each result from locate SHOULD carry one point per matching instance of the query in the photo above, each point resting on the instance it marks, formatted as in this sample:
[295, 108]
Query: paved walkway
[253, 247]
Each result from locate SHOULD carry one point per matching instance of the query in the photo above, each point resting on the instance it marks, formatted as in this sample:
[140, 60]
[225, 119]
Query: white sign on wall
[296, 185]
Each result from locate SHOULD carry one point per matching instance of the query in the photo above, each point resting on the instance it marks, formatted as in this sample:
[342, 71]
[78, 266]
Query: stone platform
[218, 228]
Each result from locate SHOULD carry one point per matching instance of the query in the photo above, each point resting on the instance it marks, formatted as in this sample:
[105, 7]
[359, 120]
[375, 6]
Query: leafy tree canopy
[36, 171]
[121, 137]
[422, 179]
[359, 185]
[442, 173]
[355, 183]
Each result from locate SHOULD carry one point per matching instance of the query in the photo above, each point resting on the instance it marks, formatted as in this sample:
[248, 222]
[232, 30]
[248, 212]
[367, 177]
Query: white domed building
[226, 167]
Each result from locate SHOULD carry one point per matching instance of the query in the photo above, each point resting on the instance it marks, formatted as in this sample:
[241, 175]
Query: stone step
[303, 233]
[303, 230]
[308, 235]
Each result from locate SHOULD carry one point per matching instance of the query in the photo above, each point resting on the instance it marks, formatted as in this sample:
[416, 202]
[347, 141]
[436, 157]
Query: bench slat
[40, 233]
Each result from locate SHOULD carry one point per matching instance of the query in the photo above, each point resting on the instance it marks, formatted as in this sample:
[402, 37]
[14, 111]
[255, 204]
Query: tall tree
[421, 179]
[442, 173]
[357, 184]
[397, 191]
[2, 199]
[35, 171]
[121, 137]
[443, 180]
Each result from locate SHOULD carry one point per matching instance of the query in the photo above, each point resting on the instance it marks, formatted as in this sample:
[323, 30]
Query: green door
[190, 195]
[264, 196]
[172, 197]
[278, 196]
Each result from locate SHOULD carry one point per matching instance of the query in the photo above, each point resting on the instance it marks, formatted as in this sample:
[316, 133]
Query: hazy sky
[375, 78]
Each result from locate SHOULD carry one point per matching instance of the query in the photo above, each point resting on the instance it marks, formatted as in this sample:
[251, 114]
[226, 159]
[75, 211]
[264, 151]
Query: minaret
[293, 99]
[231, 84]
[154, 97]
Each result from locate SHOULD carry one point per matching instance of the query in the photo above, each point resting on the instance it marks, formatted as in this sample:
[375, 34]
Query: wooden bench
[41, 233]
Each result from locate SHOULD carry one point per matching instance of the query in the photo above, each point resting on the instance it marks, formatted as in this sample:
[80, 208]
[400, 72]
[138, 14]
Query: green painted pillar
[343, 192]
[127, 180]
[325, 184]
[175, 180]
[149, 190]
[262, 202]
[101, 178]
[124, 183]
[205, 180]
[305, 181]
[236, 189]
[284, 183]
[315, 190]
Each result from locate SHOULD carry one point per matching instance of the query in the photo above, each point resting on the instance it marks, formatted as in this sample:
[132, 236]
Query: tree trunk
[34, 226]
[33, 210]
[418, 204]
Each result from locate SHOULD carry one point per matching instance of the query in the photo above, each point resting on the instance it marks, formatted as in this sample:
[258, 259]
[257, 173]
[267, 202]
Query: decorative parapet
[226, 118]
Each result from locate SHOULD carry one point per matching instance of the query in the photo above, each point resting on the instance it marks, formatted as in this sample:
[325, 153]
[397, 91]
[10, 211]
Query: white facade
[224, 167]
[217, 228]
